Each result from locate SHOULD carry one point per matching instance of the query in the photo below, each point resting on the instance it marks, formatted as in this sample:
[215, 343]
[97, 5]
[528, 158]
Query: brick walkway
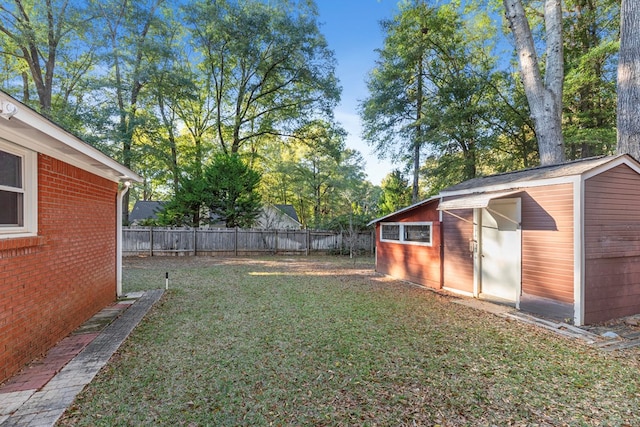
[40, 393]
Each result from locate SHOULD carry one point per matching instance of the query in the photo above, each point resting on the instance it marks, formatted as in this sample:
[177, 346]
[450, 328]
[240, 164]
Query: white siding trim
[622, 160]
[578, 251]
[401, 236]
[477, 260]
[511, 186]
[31, 130]
[29, 195]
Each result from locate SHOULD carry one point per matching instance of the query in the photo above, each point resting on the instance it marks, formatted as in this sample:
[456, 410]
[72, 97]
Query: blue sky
[353, 32]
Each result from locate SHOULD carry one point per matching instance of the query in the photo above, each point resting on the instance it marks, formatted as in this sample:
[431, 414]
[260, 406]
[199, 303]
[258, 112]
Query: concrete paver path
[40, 394]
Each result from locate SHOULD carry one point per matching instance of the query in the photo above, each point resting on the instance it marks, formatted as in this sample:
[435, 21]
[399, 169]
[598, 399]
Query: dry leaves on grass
[321, 341]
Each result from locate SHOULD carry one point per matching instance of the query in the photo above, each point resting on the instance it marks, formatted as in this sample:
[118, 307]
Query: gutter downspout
[122, 190]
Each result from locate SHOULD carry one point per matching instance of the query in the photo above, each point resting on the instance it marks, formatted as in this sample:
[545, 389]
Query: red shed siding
[547, 241]
[52, 283]
[612, 245]
[458, 260]
[415, 263]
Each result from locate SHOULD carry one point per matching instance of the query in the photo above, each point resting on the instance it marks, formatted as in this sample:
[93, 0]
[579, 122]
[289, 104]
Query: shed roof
[489, 187]
[540, 173]
[24, 126]
[408, 208]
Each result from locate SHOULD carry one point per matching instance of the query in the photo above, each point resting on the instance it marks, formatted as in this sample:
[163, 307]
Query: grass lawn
[321, 341]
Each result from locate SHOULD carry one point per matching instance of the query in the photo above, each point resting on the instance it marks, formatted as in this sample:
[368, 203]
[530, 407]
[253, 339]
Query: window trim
[401, 240]
[29, 225]
[382, 239]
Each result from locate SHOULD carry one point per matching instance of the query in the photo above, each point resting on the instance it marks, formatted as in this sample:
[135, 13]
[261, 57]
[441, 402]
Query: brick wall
[52, 283]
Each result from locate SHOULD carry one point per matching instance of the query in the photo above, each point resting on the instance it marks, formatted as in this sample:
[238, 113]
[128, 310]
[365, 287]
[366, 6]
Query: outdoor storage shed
[561, 239]
[60, 203]
[408, 244]
[567, 234]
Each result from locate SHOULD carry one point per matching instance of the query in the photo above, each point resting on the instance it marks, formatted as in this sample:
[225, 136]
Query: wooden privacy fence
[233, 241]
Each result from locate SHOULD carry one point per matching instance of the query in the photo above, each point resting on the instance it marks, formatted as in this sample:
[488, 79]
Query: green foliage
[44, 47]
[270, 67]
[187, 208]
[591, 46]
[163, 87]
[315, 173]
[224, 192]
[396, 193]
[436, 90]
[349, 222]
[231, 193]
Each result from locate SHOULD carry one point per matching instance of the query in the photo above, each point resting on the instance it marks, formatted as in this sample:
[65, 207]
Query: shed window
[390, 232]
[408, 233]
[17, 191]
[417, 233]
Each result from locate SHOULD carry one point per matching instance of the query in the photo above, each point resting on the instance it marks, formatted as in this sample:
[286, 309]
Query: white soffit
[29, 129]
[472, 201]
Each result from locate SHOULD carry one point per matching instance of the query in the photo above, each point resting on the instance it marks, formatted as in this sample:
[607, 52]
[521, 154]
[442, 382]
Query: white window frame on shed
[403, 228]
[27, 190]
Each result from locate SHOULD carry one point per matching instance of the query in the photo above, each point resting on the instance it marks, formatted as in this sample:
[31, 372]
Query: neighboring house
[144, 210]
[278, 217]
[568, 234]
[60, 204]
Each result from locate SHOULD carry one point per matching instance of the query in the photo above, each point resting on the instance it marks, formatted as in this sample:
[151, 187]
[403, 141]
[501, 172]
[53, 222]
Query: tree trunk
[419, 136]
[26, 97]
[629, 79]
[544, 97]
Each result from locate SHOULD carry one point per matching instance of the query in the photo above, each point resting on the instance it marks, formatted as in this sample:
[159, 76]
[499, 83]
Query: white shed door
[501, 249]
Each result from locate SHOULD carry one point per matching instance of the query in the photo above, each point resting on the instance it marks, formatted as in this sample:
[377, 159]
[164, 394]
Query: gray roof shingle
[288, 210]
[576, 167]
[146, 209]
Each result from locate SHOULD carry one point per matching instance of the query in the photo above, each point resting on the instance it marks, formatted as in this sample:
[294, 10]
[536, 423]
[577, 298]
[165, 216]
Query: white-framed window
[408, 233]
[389, 232]
[18, 191]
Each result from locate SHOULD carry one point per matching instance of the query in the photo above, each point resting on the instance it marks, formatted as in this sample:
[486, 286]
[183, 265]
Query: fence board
[188, 241]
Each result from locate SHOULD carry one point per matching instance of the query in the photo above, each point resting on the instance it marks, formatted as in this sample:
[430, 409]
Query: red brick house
[59, 233]
[567, 234]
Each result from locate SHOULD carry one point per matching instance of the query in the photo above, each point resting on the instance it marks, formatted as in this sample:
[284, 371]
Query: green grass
[321, 341]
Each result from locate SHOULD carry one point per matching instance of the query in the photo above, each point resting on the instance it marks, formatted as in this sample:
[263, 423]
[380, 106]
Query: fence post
[150, 241]
[235, 244]
[275, 252]
[195, 242]
[308, 248]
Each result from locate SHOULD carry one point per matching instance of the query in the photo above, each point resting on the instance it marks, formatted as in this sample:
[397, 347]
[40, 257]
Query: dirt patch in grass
[326, 341]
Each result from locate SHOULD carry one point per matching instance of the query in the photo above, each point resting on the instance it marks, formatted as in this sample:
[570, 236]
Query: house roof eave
[30, 129]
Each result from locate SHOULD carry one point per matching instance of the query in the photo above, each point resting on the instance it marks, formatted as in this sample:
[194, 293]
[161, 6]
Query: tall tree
[231, 191]
[591, 45]
[319, 154]
[432, 88]
[38, 34]
[132, 32]
[269, 66]
[544, 93]
[188, 205]
[393, 112]
[629, 79]
[396, 193]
